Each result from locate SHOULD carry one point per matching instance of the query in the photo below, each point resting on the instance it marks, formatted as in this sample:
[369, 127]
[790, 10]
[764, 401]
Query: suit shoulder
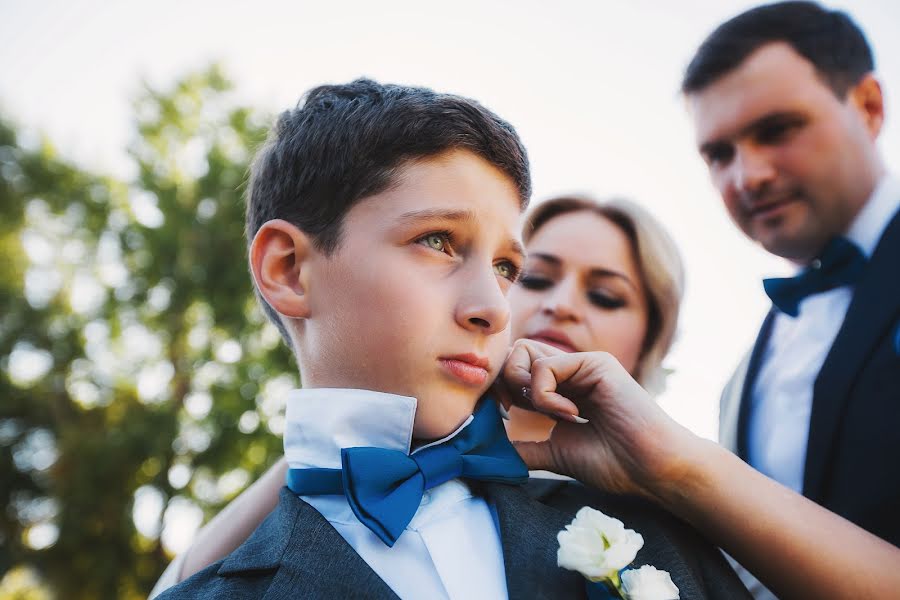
[208, 583]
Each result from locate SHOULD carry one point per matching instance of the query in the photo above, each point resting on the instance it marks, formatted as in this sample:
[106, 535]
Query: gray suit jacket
[296, 553]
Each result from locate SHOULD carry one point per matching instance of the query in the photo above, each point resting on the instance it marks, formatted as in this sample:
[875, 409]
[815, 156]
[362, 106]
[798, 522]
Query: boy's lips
[467, 368]
[554, 338]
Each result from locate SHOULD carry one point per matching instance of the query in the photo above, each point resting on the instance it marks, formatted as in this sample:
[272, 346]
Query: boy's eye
[436, 241]
[507, 270]
[535, 282]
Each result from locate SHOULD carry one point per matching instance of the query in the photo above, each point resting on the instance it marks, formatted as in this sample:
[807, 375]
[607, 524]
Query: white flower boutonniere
[600, 547]
[648, 583]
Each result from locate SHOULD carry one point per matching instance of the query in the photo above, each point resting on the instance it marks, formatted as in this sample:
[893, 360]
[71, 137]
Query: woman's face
[580, 289]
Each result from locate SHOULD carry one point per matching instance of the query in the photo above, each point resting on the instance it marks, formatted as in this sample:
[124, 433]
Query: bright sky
[591, 86]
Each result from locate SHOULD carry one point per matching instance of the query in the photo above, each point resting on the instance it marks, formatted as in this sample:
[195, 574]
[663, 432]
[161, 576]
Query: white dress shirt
[782, 395]
[778, 427]
[451, 548]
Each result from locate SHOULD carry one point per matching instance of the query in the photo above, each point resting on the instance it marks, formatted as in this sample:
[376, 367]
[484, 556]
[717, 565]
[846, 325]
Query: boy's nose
[483, 306]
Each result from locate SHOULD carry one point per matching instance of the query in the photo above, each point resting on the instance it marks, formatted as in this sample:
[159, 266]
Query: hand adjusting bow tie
[841, 263]
[385, 487]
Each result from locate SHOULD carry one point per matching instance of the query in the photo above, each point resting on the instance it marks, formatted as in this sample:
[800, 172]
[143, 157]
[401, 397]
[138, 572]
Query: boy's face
[413, 301]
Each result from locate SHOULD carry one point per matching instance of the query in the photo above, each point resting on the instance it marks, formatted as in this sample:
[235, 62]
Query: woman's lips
[557, 339]
[468, 369]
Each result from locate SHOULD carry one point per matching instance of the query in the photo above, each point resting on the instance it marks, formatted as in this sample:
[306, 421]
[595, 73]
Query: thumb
[537, 455]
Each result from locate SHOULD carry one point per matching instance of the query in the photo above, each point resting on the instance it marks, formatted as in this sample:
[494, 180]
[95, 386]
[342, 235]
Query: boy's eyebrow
[462, 216]
[433, 214]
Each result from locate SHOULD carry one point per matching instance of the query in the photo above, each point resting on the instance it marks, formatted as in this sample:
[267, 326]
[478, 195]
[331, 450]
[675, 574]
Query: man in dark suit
[787, 112]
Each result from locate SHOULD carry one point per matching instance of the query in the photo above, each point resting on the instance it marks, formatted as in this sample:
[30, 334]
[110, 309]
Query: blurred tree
[141, 386]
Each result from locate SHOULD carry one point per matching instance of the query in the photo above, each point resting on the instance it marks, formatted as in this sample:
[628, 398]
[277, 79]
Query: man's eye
[720, 155]
[436, 241]
[774, 133]
[507, 269]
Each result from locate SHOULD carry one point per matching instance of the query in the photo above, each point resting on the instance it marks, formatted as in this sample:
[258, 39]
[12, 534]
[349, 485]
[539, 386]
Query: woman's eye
[535, 282]
[507, 270]
[436, 241]
[603, 300]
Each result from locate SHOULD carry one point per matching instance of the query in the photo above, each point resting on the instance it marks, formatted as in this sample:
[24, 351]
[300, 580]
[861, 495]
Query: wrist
[678, 467]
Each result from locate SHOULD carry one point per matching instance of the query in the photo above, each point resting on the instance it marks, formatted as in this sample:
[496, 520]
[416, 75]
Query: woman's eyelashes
[605, 300]
[535, 282]
[601, 299]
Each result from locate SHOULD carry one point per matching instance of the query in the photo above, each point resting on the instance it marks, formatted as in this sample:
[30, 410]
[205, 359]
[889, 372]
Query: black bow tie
[841, 263]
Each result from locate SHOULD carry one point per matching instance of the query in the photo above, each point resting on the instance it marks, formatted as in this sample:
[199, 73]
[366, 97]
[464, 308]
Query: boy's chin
[434, 422]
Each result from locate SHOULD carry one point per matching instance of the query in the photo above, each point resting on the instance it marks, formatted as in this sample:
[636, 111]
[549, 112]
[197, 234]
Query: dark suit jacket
[296, 553]
[853, 453]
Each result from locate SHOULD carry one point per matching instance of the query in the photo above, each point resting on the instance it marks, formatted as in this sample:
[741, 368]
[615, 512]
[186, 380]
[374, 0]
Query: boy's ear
[279, 261]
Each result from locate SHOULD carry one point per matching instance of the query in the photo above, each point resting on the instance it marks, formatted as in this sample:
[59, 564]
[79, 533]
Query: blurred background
[140, 387]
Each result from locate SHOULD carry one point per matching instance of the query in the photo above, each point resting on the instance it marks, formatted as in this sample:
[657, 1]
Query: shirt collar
[321, 421]
[875, 215]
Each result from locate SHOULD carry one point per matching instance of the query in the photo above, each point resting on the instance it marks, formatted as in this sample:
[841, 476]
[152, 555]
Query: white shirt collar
[875, 215]
[321, 421]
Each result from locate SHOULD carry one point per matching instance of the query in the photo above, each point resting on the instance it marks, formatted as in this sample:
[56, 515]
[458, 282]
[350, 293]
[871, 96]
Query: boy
[384, 224]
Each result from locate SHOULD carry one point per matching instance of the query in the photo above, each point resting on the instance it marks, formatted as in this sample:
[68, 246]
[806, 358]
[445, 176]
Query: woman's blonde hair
[659, 265]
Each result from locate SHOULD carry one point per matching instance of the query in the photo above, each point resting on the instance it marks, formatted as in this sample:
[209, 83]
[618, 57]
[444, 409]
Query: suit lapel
[746, 404]
[528, 533]
[730, 405]
[312, 558]
[875, 306]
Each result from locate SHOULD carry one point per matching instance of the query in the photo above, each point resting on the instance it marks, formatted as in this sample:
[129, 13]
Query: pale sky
[591, 87]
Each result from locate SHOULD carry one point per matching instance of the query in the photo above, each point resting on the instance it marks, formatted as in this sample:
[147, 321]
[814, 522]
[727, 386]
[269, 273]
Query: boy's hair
[829, 39]
[343, 143]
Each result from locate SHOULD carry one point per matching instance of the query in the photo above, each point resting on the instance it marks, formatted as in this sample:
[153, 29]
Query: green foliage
[135, 366]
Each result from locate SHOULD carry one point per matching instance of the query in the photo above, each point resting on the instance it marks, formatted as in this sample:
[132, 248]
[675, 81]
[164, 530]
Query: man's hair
[343, 143]
[829, 39]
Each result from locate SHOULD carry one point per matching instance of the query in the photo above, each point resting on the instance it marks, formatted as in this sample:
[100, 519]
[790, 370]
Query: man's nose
[752, 170]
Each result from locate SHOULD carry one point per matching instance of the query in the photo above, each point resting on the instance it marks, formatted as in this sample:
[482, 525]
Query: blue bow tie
[385, 487]
[841, 263]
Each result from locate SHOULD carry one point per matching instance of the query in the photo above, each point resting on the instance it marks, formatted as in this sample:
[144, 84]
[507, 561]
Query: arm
[794, 546]
[229, 528]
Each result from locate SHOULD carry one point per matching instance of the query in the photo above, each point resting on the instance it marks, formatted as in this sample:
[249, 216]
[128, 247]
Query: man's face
[792, 161]
[413, 301]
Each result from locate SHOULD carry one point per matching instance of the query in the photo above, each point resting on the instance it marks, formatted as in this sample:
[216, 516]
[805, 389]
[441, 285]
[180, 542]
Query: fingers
[517, 381]
[546, 375]
[537, 455]
[516, 373]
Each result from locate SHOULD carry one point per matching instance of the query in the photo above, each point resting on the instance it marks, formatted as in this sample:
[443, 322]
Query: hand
[626, 444]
